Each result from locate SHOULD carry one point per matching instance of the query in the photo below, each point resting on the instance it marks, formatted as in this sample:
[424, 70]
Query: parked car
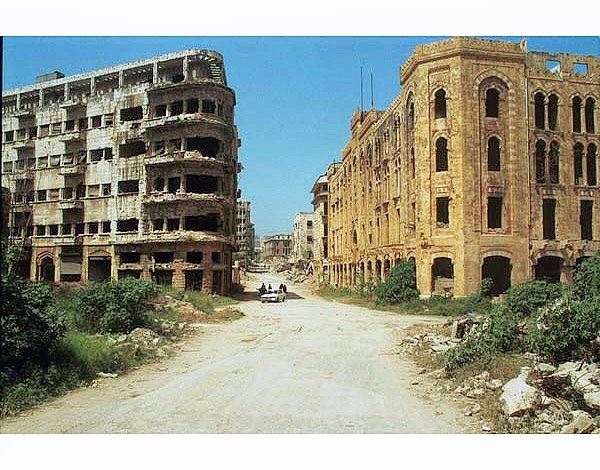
[273, 296]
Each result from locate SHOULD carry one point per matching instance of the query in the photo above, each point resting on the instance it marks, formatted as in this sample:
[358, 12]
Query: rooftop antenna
[361, 89]
[372, 100]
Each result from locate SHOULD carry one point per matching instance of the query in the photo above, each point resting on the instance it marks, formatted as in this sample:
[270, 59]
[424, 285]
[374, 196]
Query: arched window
[576, 109]
[441, 154]
[492, 103]
[440, 103]
[493, 154]
[578, 163]
[540, 110]
[590, 105]
[412, 161]
[540, 161]
[553, 163]
[553, 112]
[591, 165]
[410, 114]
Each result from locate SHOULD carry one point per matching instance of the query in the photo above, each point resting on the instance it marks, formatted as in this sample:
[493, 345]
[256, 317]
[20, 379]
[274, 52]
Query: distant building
[320, 191]
[244, 233]
[302, 238]
[277, 246]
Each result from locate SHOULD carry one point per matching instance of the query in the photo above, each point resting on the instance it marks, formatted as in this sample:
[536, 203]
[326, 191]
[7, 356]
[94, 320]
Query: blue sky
[295, 96]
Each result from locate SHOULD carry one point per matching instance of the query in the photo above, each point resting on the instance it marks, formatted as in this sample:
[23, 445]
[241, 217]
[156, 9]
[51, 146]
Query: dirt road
[305, 365]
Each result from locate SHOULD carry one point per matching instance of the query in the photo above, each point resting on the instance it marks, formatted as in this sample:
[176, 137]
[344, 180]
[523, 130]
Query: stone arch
[539, 103]
[440, 104]
[441, 154]
[591, 163]
[442, 275]
[553, 104]
[494, 151]
[498, 268]
[590, 112]
[576, 106]
[46, 267]
[578, 156]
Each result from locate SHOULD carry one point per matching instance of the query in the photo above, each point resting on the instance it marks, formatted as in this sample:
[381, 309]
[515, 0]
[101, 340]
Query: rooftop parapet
[212, 59]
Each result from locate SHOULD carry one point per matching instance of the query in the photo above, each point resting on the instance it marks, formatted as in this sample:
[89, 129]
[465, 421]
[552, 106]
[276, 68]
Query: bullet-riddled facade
[484, 166]
[126, 171]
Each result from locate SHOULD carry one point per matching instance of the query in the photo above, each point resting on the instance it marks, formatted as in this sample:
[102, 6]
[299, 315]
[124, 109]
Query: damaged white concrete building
[126, 171]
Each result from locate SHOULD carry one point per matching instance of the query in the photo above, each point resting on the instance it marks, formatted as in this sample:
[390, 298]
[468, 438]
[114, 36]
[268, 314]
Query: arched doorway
[548, 268]
[46, 272]
[498, 269]
[442, 276]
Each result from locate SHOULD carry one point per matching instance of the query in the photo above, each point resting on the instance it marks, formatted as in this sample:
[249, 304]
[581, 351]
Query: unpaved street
[305, 365]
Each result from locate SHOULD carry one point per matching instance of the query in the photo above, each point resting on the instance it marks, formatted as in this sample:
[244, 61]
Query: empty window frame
[70, 125]
[553, 112]
[441, 154]
[132, 149]
[176, 107]
[578, 156]
[160, 110]
[159, 184]
[590, 108]
[173, 224]
[201, 184]
[539, 110]
[442, 212]
[163, 256]
[492, 103]
[552, 66]
[106, 189]
[494, 212]
[209, 107]
[127, 225]
[93, 227]
[580, 68]
[108, 119]
[554, 163]
[440, 103]
[585, 219]
[591, 165]
[540, 161]
[192, 105]
[215, 257]
[129, 257]
[106, 226]
[493, 154]
[129, 187]
[174, 185]
[207, 146]
[549, 219]
[131, 114]
[576, 113]
[96, 121]
[194, 257]
[209, 223]
[158, 225]
[96, 155]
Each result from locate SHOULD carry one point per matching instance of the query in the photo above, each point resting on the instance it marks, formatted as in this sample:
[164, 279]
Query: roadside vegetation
[54, 339]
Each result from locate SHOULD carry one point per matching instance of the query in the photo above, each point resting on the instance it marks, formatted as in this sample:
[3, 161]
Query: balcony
[214, 199]
[73, 105]
[191, 118]
[70, 204]
[72, 170]
[190, 156]
[72, 136]
[24, 144]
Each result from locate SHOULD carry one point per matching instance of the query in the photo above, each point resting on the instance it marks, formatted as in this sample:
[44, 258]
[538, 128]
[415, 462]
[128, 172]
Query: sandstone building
[302, 236]
[244, 233]
[276, 246]
[484, 166]
[126, 171]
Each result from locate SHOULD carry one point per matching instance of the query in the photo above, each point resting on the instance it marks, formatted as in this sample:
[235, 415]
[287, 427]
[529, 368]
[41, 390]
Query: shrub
[114, 306]
[565, 328]
[401, 285]
[497, 334]
[30, 326]
[524, 299]
[586, 279]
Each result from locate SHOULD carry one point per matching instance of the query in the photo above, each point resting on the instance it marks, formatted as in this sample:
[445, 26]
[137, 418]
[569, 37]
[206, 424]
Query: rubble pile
[542, 398]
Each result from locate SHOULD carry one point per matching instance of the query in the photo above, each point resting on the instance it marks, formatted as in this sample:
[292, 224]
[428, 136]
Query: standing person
[270, 288]
[262, 289]
[284, 289]
[281, 287]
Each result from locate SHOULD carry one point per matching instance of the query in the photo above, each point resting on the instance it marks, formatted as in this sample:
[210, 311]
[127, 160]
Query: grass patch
[436, 305]
[208, 303]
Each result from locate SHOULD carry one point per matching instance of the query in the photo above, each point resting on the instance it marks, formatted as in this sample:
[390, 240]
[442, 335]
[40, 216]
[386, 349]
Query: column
[121, 77]
[92, 86]
[155, 73]
[67, 92]
[186, 65]
[41, 98]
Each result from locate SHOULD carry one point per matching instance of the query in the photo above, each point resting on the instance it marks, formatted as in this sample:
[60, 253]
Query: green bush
[565, 328]
[401, 285]
[113, 306]
[498, 333]
[524, 299]
[30, 327]
[586, 279]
